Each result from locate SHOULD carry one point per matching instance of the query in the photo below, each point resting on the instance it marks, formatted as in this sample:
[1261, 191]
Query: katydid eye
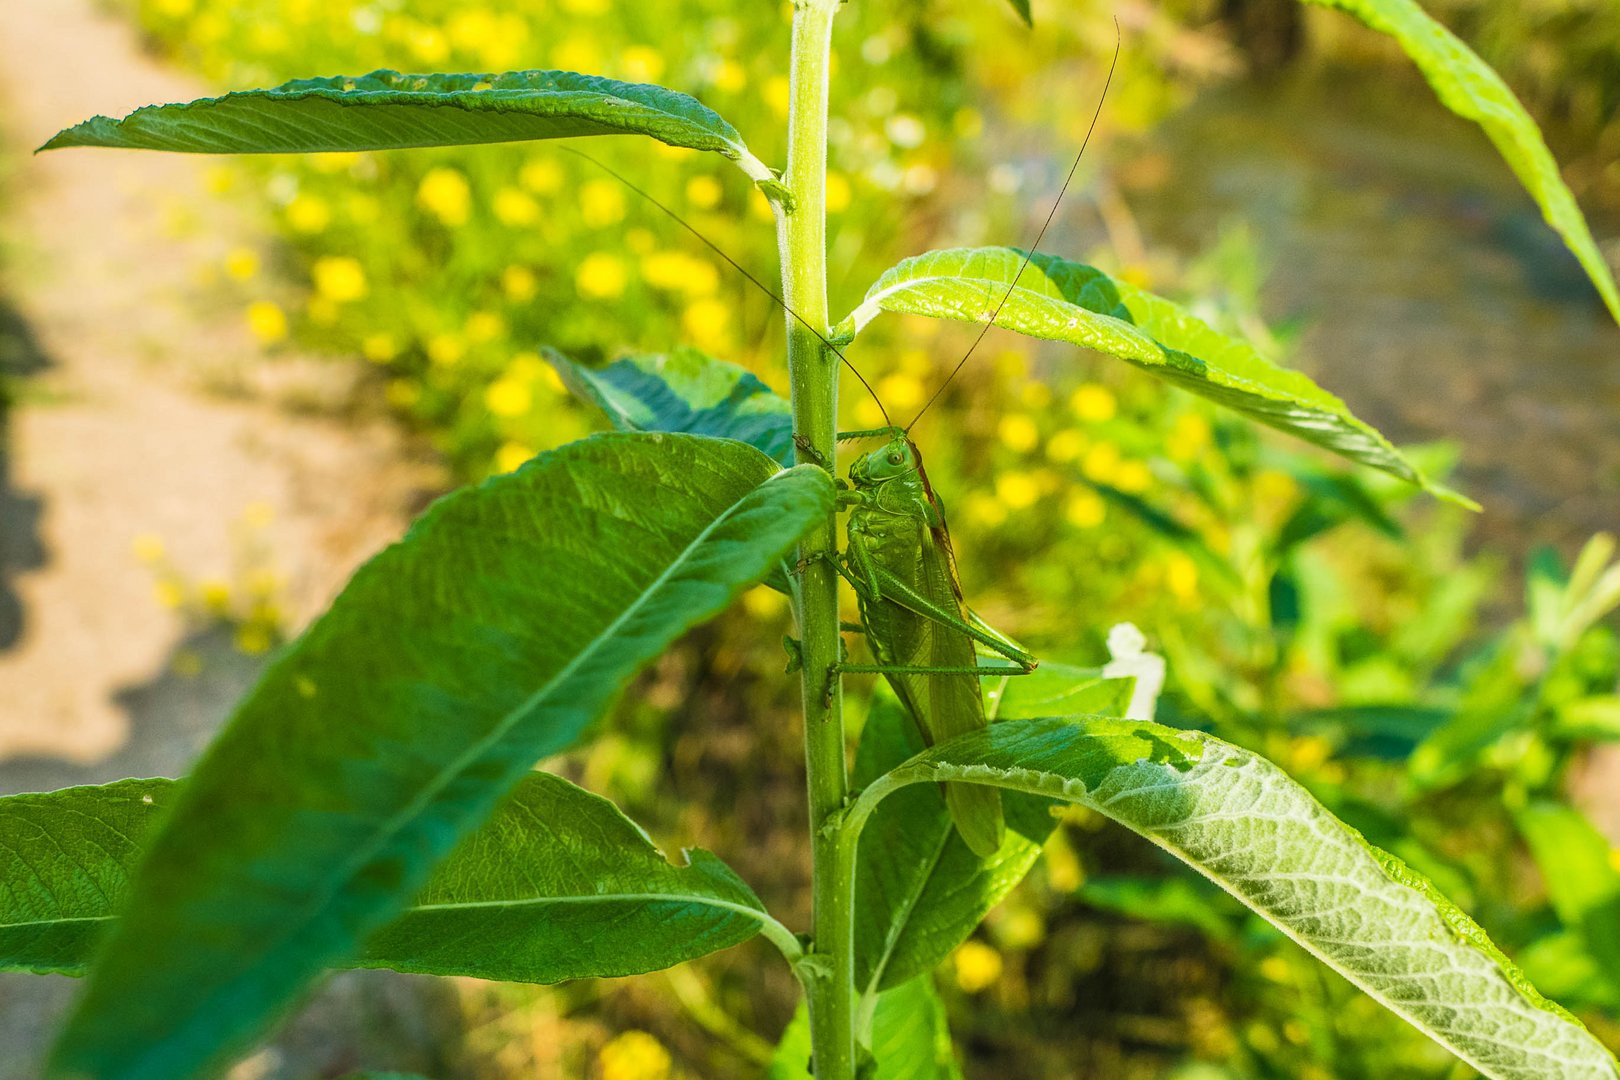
[896, 458]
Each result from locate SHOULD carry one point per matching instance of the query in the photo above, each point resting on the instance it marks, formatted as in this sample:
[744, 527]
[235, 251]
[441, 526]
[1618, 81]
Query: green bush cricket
[899, 560]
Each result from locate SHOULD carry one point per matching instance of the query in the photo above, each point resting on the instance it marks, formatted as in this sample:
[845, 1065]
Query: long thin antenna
[1030, 253]
[712, 246]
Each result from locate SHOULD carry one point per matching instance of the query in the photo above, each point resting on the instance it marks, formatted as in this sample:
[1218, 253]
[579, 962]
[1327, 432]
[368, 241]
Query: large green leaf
[1467, 86]
[65, 861]
[386, 110]
[1064, 301]
[557, 885]
[910, 1038]
[685, 390]
[486, 639]
[920, 891]
[1243, 823]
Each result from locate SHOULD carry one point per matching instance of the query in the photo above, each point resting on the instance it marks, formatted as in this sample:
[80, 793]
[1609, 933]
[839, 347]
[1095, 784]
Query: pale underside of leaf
[387, 110]
[1247, 826]
[1469, 87]
[1057, 300]
[487, 639]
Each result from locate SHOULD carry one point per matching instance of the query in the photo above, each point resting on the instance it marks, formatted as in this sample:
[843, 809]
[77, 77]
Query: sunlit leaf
[1582, 880]
[486, 639]
[387, 110]
[1468, 86]
[688, 391]
[1247, 826]
[1065, 301]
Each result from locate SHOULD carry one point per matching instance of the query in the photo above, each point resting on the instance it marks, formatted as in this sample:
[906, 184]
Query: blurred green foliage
[1327, 619]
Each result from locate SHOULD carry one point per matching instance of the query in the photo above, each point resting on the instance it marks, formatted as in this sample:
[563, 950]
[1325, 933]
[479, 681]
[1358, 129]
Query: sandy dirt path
[115, 435]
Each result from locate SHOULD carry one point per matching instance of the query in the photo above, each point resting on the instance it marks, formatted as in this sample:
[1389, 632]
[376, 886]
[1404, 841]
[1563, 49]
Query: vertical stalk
[801, 238]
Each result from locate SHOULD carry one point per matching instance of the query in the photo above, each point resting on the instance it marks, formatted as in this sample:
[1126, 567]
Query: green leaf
[1582, 881]
[65, 862]
[486, 639]
[919, 890]
[685, 390]
[557, 885]
[1065, 301]
[1467, 86]
[561, 885]
[1022, 8]
[1596, 717]
[1244, 824]
[386, 110]
[910, 1038]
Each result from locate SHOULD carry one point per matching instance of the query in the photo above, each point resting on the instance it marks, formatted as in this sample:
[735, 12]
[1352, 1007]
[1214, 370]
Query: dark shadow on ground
[21, 549]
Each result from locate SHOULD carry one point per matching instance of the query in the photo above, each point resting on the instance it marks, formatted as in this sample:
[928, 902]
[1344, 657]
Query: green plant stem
[801, 236]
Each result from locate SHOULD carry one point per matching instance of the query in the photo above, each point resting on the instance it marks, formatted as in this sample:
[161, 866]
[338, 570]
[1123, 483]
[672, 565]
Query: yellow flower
[308, 214]
[578, 53]
[1018, 433]
[519, 284]
[340, 161]
[445, 194]
[1035, 395]
[729, 77]
[1181, 577]
[253, 639]
[511, 455]
[585, 7]
[1133, 477]
[258, 515]
[763, 603]
[508, 396]
[1101, 463]
[778, 94]
[216, 596]
[363, 209]
[174, 9]
[1273, 487]
[1093, 404]
[339, 278]
[902, 390]
[379, 348]
[977, 966]
[1277, 969]
[446, 349]
[968, 123]
[169, 593]
[704, 192]
[267, 321]
[838, 193]
[676, 271]
[760, 206]
[1017, 490]
[601, 276]
[634, 1055]
[601, 203]
[148, 547]
[403, 394]
[641, 64]
[242, 264]
[1085, 509]
[1065, 446]
[867, 413]
[706, 322]
[515, 207]
[542, 176]
[430, 45]
[1187, 438]
[984, 510]
[220, 179]
[322, 311]
[484, 326]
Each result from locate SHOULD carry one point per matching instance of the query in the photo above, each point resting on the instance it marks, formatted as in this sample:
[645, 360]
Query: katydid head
[895, 458]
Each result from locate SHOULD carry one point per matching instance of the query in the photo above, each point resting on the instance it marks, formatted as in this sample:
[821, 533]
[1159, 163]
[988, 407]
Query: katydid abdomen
[899, 552]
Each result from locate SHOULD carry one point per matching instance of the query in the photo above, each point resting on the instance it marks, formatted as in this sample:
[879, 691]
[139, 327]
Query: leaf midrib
[398, 822]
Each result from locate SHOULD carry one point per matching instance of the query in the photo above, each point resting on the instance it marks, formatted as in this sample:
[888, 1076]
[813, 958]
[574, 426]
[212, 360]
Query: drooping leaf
[919, 890]
[386, 110]
[1468, 86]
[1064, 301]
[910, 1038]
[65, 862]
[486, 639]
[1247, 826]
[1022, 8]
[685, 390]
[557, 885]
[1582, 882]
